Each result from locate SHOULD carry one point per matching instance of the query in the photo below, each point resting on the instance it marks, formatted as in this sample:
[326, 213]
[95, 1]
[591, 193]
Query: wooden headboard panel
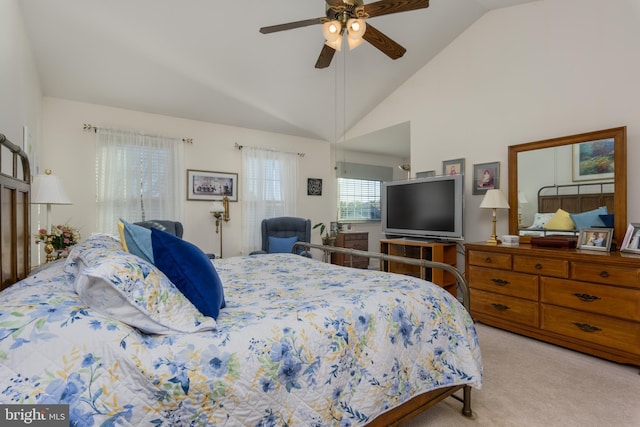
[15, 198]
[576, 198]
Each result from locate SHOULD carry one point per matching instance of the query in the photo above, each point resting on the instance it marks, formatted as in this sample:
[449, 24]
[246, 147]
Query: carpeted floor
[531, 383]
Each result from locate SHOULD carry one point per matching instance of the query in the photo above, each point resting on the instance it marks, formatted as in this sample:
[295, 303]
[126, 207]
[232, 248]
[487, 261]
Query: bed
[298, 342]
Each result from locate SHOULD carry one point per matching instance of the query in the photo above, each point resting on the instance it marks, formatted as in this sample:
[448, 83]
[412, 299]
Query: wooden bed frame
[575, 198]
[15, 185]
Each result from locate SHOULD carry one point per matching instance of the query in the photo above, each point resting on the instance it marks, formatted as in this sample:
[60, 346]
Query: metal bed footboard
[423, 263]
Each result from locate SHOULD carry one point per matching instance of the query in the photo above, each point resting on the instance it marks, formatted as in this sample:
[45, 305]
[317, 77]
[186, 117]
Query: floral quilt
[300, 343]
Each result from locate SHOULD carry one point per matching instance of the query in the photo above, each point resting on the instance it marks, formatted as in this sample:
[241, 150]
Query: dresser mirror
[576, 173]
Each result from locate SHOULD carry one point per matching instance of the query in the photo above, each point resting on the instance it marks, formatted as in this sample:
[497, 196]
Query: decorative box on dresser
[585, 300]
[351, 240]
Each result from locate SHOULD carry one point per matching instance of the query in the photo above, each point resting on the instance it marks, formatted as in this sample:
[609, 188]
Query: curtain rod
[88, 127]
[240, 147]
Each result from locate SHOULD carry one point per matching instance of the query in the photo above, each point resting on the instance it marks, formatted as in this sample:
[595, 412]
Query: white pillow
[540, 219]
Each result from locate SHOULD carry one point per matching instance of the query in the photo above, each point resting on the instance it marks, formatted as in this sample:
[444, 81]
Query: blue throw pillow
[190, 270]
[281, 245]
[590, 218]
[607, 219]
[136, 240]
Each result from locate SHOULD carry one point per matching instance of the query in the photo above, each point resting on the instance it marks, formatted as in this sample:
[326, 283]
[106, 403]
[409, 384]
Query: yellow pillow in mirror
[560, 221]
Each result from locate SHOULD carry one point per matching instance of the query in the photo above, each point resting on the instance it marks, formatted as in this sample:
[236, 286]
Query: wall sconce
[220, 211]
[48, 190]
[494, 199]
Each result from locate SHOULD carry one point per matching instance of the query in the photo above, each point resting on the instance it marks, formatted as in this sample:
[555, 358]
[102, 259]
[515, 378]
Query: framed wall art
[593, 160]
[453, 167]
[314, 186]
[595, 239]
[205, 185]
[486, 176]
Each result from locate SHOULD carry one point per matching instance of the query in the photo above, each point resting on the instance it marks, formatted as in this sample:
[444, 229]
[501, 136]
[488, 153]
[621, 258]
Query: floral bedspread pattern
[300, 343]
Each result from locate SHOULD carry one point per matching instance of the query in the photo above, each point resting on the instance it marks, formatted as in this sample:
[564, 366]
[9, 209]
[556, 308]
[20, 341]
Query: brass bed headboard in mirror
[15, 184]
[553, 162]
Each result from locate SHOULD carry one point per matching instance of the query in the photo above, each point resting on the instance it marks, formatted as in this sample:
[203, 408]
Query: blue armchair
[171, 227]
[279, 233]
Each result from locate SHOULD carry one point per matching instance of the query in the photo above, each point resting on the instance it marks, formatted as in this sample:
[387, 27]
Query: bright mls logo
[34, 415]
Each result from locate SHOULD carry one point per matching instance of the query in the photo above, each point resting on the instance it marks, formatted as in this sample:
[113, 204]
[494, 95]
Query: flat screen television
[429, 208]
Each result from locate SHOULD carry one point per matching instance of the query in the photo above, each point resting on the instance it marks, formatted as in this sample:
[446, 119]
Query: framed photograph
[486, 176]
[453, 167]
[631, 241]
[208, 186]
[314, 186]
[593, 160]
[425, 174]
[595, 239]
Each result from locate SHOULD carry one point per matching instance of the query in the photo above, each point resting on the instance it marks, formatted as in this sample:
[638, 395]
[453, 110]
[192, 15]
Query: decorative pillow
[279, 245]
[190, 270]
[136, 240]
[561, 220]
[589, 218]
[135, 292]
[95, 241]
[607, 220]
[540, 219]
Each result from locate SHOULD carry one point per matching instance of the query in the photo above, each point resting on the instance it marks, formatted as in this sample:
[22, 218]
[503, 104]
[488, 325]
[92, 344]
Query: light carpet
[527, 382]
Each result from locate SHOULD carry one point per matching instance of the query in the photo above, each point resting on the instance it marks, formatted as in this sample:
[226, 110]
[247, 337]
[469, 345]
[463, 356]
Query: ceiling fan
[347, 17]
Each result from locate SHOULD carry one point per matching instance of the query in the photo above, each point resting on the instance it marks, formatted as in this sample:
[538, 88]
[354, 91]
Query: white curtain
[270, 184]
[138, 177]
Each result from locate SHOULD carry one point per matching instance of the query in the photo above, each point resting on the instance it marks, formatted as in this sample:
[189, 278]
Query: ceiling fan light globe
[356, 28]
[354, 43]
[336, 44]
[331, 30]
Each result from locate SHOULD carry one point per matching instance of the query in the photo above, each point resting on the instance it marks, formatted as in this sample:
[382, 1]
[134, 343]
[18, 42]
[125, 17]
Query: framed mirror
[577, 173]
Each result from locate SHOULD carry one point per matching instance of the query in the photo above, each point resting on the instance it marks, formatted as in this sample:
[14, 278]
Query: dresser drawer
[504, 307]
[599, 299]
[361, 245]
[593, 328]
[490, 259]
[602, 273]
[355, 236]
[542, 266]
[504, 282]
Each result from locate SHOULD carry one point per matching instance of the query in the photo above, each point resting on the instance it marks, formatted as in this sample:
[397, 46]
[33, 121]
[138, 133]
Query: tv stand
[420, 249]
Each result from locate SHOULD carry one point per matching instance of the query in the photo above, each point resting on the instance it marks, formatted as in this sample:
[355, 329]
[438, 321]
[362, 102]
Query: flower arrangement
[62, 237]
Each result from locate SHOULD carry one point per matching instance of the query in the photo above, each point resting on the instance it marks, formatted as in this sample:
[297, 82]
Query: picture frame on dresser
[595, 239]
[631, 241]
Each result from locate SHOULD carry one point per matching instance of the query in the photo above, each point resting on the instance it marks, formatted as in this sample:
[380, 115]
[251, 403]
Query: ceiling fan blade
[291, 25]
[385, 7]
[390, 48]
[334, 3]
[326, 55]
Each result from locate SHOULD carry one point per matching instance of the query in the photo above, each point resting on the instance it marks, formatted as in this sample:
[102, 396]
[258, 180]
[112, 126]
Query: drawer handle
[538, 266]
[586, 297]
[587, 327]
[604, 274]
[500, 307]
[500, 282]
[488, 260]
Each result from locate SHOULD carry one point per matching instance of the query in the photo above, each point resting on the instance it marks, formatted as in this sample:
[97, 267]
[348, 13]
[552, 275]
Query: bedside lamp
[220, 211]
[522, 200]
[48, 190]
[494, 199]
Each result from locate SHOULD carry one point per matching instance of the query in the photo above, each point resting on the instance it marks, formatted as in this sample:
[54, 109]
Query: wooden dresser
[431, 251]
[351, 240]
[585, 300]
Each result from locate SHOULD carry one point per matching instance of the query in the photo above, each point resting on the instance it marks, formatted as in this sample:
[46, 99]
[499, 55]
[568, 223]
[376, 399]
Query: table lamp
[494, 199]
[48, 190]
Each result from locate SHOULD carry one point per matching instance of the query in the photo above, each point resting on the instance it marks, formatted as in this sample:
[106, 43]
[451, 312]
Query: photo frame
[486, 176]
[595, 239]
[631, 241]
[208, 186]
[425, 174]
[314, 186]
[593, 160]
[453, 167]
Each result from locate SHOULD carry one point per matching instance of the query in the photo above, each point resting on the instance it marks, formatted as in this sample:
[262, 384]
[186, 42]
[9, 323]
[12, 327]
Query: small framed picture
[314, 186]
[631, 241]
[595, 239]
[425, 174]
[486, 176]
[453, 167]
[205, 185]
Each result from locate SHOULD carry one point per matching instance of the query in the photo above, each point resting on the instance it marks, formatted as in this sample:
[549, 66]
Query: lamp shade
[216, 207]
[494, 199]
[522, 199]
[331, 30]
[48, 189]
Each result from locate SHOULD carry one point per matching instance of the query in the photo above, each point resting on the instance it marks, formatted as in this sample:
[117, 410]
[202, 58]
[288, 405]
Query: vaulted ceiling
[206, 60]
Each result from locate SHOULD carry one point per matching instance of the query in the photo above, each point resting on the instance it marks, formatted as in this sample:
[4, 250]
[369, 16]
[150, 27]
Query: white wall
[70, 152]
[526, 73]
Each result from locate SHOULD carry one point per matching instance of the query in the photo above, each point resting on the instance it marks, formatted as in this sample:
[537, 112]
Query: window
[138, 177]
[358, 200]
